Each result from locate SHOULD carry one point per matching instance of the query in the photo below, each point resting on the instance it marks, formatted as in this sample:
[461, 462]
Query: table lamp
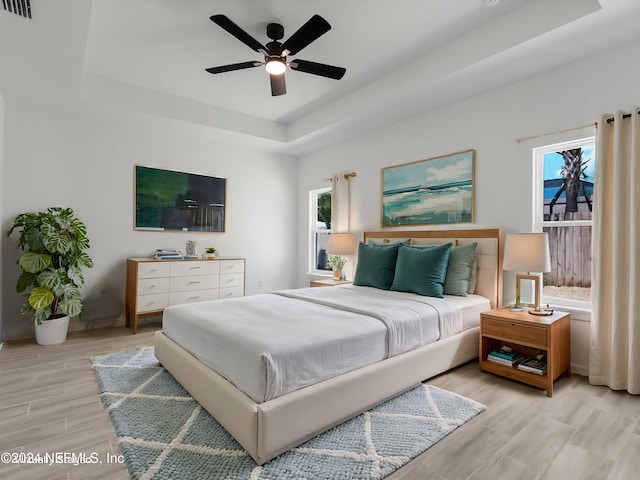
[527, 252]
[340, 244]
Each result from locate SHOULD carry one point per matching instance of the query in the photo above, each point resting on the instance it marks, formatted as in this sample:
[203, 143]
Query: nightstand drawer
[514, 332]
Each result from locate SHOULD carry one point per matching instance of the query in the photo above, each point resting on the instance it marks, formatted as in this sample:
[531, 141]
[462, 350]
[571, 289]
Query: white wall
[84, 159]
[571, 96]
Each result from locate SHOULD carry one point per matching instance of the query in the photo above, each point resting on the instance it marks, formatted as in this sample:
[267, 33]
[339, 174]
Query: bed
[270, 420]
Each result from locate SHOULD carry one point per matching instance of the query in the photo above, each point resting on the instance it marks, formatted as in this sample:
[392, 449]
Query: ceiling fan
[276, 53]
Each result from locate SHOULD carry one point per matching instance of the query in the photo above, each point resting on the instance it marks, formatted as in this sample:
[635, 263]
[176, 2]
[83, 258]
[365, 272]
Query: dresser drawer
[231, 292]
[186, 268]
[154, 269]
[150, 286]
[176, 298]
[231, 266]
[525, 334]
[147, 303]
[232, 280]
[194, 282]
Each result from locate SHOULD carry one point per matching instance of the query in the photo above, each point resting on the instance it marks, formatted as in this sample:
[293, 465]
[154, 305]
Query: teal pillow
[376, 265]
[459, 269]
[422, 270]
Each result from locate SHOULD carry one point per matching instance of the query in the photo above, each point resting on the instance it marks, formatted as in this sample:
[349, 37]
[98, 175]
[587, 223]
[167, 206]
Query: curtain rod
[346, 176]
[524, 139]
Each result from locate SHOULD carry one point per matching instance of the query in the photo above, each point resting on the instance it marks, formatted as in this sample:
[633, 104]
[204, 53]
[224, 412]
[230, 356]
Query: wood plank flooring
[49, 402]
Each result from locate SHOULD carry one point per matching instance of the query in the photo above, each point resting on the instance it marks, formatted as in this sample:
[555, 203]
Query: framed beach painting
[433, 191]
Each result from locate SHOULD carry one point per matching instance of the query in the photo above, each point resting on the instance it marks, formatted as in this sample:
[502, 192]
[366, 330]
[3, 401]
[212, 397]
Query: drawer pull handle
[194, 268]
[194, 281]
[194, 297]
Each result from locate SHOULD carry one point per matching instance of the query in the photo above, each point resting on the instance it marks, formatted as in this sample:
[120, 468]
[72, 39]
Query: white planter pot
[53, 331]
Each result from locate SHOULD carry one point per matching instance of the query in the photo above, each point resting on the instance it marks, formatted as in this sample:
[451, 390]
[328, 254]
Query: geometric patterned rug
[163, 433]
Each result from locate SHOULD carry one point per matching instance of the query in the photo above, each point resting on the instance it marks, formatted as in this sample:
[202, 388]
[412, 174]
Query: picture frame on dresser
[437, 190]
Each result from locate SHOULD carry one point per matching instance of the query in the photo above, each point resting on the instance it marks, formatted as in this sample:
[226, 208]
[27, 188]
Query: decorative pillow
[459, 269]
[472, 276]
[376, 265]
[422, 270]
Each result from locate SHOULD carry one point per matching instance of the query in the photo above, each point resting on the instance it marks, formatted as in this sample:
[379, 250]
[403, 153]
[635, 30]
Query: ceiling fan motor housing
[275, 31]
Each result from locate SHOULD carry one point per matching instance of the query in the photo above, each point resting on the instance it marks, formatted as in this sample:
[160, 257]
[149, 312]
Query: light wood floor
[49, 403]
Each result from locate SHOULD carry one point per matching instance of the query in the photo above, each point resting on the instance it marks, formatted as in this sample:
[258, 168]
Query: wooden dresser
[153, 285]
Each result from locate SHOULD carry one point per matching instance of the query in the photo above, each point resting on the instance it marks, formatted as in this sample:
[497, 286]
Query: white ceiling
[402, 57]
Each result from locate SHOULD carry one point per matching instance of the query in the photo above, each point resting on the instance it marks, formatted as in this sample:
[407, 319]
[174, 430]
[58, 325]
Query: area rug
[163, 433]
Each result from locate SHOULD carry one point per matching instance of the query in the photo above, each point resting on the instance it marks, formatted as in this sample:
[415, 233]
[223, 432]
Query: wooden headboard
[488, 253]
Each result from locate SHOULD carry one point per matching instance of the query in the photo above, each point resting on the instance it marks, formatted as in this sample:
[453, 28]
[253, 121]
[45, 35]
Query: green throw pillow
[459, 269]
[376, 265]
[422, 270]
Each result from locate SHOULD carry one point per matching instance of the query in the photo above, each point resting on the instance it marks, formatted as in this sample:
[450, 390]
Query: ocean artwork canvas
[434, 191]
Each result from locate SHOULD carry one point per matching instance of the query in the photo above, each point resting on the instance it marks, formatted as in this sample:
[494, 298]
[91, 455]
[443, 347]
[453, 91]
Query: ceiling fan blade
[278, 85]
[315, 68]
[315, 27]
[232, 67]
[227, 24]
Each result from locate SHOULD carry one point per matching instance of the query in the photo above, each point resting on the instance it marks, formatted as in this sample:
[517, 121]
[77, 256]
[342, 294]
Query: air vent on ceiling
[19, 7]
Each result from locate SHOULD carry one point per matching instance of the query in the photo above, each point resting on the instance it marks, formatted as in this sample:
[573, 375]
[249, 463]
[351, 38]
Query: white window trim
[311, 253]
[580, 308]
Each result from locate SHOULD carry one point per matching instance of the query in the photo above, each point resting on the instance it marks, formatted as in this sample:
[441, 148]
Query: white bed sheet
[271, 344]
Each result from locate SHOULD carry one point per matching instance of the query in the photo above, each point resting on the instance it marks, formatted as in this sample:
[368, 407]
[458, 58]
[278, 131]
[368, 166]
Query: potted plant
[337, 262]
[211, 253]
[54, 244]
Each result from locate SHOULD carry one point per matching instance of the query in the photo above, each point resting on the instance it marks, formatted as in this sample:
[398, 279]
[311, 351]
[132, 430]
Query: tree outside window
[564, 206]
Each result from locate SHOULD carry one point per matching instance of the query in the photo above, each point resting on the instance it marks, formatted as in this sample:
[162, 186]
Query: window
[320, 220]
[563, 203]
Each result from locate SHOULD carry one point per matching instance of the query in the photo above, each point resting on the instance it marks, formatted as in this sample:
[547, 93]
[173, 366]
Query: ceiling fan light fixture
[275, 66]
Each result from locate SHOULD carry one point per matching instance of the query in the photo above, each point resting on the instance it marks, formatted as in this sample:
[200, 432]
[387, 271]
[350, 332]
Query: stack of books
[536, 365]
[505, 356]
[167, 255]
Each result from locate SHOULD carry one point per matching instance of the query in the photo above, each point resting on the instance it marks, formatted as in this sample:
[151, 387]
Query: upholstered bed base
[268, 429]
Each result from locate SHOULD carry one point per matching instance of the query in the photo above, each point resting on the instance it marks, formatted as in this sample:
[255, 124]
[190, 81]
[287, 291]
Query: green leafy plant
[211, 250]
[336, 262]
[54, 244]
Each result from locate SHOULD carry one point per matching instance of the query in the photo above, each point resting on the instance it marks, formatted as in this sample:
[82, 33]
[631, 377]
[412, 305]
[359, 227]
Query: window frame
[538, 210]
[314, 231]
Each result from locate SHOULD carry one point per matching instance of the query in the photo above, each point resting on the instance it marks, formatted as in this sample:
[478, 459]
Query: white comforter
[272, 344]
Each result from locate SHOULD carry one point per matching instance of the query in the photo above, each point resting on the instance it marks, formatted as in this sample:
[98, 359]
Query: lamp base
[542, 312]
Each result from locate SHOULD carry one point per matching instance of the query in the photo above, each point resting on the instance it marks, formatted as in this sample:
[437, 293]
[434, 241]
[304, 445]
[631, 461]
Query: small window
[320, 215]
[564, 175]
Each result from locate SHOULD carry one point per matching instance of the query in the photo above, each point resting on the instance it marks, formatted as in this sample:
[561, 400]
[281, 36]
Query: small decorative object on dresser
[153, 285]
[211, 253]
[191, 250]
[540, 343]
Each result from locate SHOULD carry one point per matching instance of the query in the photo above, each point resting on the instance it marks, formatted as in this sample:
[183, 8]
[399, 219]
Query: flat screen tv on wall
[170, 200]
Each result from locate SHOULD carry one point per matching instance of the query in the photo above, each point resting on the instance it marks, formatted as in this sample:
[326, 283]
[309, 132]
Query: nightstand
[530, 335]
[328, 282]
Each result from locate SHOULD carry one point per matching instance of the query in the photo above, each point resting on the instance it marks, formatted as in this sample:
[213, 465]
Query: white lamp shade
[527, 252]
[340, 244]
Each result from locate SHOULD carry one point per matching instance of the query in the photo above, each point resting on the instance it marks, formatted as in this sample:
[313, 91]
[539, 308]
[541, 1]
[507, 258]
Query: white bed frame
[268, 429]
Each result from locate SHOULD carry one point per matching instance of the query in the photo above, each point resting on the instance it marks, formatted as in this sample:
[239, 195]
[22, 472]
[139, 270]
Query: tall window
[564, 175]
[320, 215]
